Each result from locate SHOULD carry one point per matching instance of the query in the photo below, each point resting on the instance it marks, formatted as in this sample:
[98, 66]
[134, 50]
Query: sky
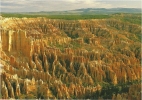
[63, 5]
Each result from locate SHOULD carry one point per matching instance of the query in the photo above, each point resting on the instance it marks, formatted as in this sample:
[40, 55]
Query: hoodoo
[68, 59]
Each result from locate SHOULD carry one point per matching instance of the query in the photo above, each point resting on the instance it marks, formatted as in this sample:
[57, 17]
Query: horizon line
[66, 10]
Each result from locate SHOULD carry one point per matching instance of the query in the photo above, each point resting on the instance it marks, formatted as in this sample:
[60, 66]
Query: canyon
[68, 59]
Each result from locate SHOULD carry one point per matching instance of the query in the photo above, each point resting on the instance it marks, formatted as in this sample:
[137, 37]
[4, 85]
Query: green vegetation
[86, 40]
[78, 17]
[61, 47]
[133, 20]
[109, 89]
[128, 17]
[20, 15]
[75, 45]
[125, 17]
[66, 17]
[73, 36]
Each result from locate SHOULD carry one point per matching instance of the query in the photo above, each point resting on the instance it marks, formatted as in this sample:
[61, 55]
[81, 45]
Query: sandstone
[65, 59]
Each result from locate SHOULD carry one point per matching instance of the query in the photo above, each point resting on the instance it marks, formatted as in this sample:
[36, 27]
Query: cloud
[60, 5]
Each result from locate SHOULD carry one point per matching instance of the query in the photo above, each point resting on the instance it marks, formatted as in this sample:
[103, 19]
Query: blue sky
[61, 5]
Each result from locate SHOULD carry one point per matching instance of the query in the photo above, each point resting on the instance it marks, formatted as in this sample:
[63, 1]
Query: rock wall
[13, 41]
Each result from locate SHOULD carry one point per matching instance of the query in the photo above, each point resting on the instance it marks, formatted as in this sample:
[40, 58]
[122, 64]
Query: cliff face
[44, 58]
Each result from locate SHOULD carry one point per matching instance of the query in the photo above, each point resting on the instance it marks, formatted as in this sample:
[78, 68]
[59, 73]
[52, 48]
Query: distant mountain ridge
[81, 11]
[96, 11]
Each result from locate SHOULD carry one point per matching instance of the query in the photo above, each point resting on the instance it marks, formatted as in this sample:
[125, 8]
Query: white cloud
[11, 7]
[89, 1]
[59, 5]
[72, 0]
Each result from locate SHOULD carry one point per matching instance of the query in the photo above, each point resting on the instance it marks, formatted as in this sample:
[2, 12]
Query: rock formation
[50, 59]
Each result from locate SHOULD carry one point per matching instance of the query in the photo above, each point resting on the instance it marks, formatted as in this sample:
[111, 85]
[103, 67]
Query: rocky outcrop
[62, 59]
